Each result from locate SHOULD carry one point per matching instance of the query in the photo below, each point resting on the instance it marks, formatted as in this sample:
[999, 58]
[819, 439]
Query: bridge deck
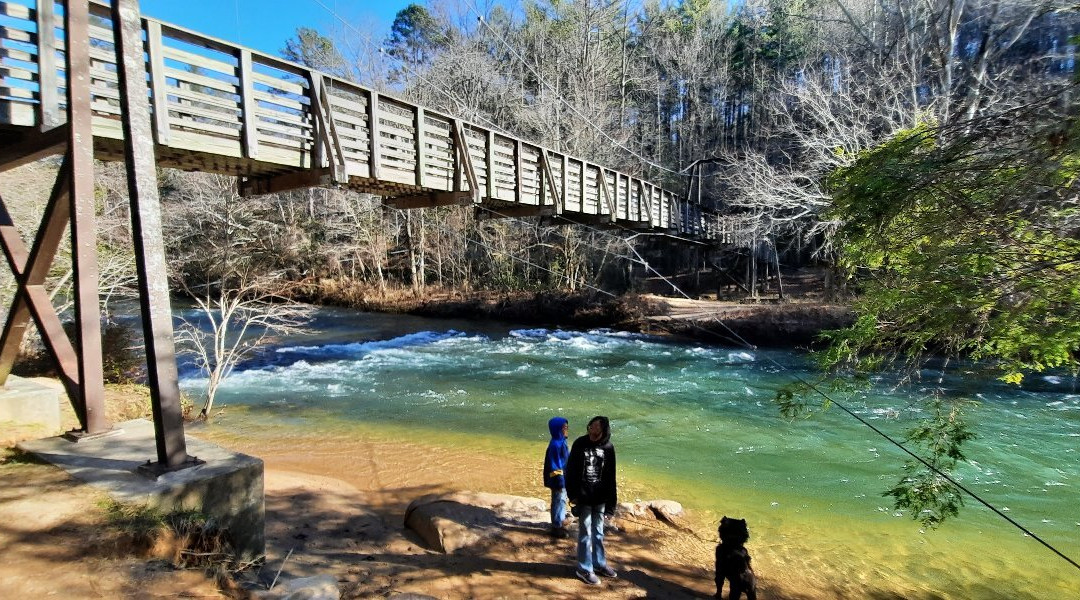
[223, 108]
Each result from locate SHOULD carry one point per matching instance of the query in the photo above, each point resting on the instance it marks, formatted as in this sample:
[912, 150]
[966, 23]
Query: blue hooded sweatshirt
[557, 453]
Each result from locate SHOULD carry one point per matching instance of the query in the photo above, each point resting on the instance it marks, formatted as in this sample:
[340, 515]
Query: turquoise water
[696, 423]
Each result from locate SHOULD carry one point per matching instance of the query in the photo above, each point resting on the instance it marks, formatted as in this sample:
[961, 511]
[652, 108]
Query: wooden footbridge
[223, 108]
[93, 79]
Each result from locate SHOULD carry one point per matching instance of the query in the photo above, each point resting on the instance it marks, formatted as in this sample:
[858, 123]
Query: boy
[554, 464]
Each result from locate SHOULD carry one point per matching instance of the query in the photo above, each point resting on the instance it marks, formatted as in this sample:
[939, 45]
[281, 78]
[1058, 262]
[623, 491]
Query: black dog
[733, 561]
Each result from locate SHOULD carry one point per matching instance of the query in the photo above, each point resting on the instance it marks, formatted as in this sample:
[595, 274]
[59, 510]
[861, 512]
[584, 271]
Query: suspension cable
[742, 341]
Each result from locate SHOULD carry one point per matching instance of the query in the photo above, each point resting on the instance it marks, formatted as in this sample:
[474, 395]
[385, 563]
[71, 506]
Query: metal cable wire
[748, 345]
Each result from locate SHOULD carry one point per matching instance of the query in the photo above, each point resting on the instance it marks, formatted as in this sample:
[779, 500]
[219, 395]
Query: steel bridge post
[147, 238]
[80, 156]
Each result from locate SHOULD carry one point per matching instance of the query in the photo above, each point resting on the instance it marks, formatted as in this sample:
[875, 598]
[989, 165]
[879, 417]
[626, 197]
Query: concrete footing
[227, 487]
[25, 402]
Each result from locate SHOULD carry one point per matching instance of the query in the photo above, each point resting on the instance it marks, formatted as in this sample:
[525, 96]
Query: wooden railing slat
[247, 101]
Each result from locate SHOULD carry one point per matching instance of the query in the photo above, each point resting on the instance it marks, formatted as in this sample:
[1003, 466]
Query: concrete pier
[228, 486]
[24, 402]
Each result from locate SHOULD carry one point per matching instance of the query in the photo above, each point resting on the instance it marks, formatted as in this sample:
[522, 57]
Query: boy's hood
[555, 425]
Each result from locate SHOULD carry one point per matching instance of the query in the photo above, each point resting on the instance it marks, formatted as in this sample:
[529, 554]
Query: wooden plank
[16, 73]
[323, 104]
[201, 80]
[158, 89]
[489, 162]
[18, 35]
[349, 105]
[420, 126]
[556, 196]
[391, 119]
[302, 132]
[398, 159]
[96, 33]
[248, 115]
[373, 130]
[399, 143]
[518, 175]
[584, 178]
[102, 91]
[18, 11]
[195, 60]
[105, 107]
[17, 94]
[281, 101]
[103, 75]
[204, 127]
[601, 178]
[205, 112]
[302, 120]
[195, 96]
[355, 122]
[565, 178]
[18, 55]
[290, 87]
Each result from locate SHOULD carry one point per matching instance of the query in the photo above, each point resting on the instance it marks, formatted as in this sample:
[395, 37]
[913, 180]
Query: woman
[590, 484]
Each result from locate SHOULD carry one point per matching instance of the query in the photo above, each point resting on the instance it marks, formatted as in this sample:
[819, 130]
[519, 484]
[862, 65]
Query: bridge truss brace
[549, 178]
[32, 301]
[464, 172]
[72, 202]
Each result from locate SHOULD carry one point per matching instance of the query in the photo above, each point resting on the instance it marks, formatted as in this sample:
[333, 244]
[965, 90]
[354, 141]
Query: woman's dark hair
[605, 428]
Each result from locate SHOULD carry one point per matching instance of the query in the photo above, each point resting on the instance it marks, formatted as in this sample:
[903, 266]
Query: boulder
[668, 512]
[447, 522]
[320, 587]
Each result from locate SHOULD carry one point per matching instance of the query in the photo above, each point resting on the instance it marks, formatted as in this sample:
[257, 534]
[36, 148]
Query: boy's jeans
[590, 546]
[558, 507]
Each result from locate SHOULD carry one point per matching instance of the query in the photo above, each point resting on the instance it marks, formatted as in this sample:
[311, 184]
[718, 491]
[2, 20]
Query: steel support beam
[430, 199]
[147, 238]
[80, 155]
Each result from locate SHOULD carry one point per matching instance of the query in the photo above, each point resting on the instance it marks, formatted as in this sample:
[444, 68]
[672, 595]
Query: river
[695, 423]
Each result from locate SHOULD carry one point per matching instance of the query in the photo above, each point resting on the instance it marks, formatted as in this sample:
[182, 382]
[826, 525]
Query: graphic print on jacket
[594, 468]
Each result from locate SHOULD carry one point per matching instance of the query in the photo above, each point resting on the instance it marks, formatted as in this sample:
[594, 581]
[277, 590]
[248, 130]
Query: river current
[696, 423]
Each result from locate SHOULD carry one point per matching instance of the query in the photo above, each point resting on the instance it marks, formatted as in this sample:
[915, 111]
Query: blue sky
[265, 24]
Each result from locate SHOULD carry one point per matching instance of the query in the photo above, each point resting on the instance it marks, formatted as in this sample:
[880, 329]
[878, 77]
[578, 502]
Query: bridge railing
[223, 108]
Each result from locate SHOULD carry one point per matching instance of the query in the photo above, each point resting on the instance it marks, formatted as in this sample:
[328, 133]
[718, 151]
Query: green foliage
[963, 243]
[312, 49]
[415, 35]
[928, 496]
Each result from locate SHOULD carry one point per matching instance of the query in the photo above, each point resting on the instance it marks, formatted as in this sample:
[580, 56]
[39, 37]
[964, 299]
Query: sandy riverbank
[334, 509]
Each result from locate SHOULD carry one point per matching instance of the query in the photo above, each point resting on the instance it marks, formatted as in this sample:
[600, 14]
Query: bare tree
[223, 251]
[240, 316]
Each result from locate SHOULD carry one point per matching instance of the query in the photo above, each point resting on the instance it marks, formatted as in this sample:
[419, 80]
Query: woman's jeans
[558, 507]
[590, 545]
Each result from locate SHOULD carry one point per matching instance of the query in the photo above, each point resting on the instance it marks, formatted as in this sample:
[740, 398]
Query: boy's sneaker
[587, 576]
[606, 571]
